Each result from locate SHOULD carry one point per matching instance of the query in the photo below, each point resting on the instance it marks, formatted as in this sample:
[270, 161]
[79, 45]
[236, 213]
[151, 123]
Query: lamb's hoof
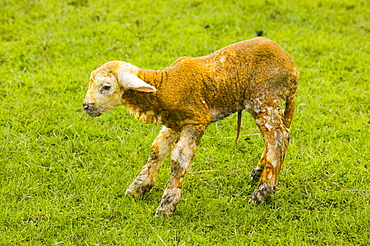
[163, 212]
[137, 191]
[261, 194]
[256, 174]
[131, 195]
[167, 207]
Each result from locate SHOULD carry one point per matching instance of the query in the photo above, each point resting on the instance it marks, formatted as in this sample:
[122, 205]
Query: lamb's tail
[290, 99]
[289, 110]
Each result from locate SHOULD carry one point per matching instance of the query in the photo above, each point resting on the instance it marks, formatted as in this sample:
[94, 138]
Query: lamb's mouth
[93, 114]
[91, 110]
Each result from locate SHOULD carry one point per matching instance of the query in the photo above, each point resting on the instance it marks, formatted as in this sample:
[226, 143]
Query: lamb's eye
[106, 87]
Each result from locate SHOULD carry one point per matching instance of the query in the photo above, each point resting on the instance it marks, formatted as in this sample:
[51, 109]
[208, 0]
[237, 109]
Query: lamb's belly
[219, 114]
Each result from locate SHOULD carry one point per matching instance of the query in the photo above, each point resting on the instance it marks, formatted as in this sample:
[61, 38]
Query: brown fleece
[256, 75]
[225, 80]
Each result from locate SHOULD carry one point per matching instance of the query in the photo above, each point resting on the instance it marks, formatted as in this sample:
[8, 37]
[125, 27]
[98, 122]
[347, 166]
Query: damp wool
[255, 75]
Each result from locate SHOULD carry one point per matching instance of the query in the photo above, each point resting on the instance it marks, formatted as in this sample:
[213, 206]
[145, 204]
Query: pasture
[64, 174]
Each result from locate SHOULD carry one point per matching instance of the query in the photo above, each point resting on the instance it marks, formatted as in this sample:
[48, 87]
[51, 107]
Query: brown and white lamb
[255, 75]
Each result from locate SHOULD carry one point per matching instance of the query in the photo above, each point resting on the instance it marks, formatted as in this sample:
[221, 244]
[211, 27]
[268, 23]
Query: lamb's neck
[145, 105]
[152, 77]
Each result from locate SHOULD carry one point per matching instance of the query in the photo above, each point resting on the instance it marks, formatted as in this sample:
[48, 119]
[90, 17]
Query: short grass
[63, 174]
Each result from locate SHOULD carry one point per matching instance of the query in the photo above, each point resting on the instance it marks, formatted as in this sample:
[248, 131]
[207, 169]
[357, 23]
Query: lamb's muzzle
[91, 110]
[256, 75]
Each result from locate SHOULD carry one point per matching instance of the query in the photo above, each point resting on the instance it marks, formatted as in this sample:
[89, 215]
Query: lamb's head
[108, 83]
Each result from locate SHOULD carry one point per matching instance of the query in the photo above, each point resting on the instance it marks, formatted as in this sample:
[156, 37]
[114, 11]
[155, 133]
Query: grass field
[63, 174]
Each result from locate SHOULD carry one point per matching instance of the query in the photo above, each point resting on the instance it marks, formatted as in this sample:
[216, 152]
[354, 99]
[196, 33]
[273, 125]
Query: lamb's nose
[91, 109]
[86, 106]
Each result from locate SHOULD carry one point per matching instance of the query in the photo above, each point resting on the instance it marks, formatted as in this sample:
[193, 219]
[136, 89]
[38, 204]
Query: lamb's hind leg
[161, 147]
[270, 121]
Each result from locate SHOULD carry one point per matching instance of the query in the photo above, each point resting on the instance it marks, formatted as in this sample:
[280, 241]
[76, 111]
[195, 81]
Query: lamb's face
[108, 83]
[104, 93]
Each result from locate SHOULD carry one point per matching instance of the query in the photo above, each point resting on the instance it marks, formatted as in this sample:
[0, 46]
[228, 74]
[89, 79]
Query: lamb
[255, 75]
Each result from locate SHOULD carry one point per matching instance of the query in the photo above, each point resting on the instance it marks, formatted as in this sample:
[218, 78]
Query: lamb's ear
[130, 81]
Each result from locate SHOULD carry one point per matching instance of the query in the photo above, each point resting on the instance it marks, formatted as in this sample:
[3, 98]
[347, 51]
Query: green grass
[63, 174]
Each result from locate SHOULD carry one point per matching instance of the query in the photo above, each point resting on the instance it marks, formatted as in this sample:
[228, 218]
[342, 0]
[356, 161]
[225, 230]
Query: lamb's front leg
[182, 155]
[161, 147]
